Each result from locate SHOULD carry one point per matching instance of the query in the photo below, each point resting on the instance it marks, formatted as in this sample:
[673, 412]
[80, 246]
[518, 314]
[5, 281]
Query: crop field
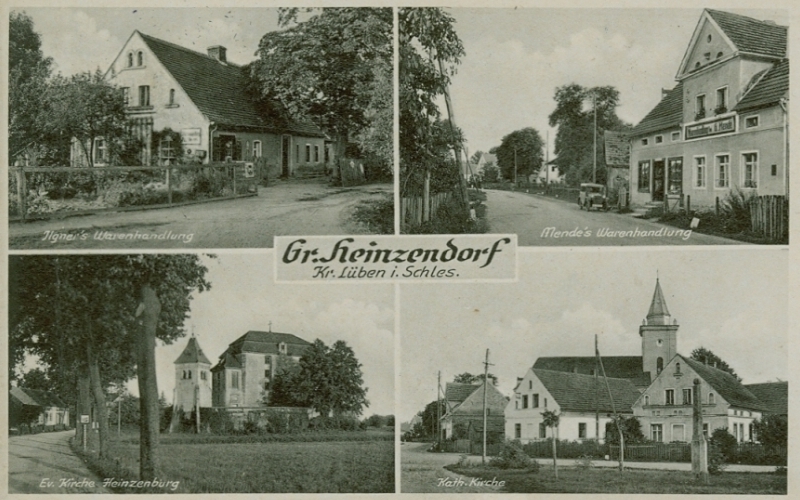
[274, 467]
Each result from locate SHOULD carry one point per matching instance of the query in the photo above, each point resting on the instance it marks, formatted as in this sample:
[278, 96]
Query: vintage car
[591, 196]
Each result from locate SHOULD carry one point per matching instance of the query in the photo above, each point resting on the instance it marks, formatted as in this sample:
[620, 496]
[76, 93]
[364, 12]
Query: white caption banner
[396, 258]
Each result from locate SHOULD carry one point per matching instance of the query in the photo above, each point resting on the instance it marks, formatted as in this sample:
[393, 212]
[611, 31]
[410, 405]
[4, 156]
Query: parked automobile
[592, 196]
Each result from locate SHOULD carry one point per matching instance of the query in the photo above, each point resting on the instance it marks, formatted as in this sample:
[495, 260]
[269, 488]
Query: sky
[84, 39]
[244, 297]
[516, 58]
[733, 302]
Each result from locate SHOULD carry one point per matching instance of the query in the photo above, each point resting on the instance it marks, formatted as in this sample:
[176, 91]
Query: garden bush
[512, 456]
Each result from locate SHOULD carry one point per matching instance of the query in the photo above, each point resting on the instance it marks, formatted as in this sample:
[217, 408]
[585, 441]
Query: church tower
[192, 378]
[659, 332]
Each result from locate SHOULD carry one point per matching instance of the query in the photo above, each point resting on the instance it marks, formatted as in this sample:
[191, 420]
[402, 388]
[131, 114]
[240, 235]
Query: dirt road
[43, 463]
[423, 472]
[288, 208]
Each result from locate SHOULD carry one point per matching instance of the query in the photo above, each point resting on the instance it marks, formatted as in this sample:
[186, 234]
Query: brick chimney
[218, 52]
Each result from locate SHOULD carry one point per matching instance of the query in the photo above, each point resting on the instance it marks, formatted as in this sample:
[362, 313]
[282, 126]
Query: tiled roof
[577, 392]
[625, 367]
[267, 343]
[495, 401]
[192, 354]
[667, 114]
[726, 386]
[768, 90]
[220, 91]
[456, 393]
[752, 35]
[34, 397]
[617, 148]
[775, 395]
[227, 360]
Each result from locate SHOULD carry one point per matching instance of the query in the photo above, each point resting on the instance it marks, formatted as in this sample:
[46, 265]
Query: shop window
[675, 176]
[657, 432]
[144, 95]
[700, 172]
[722, 173]
[644, 177]
[750, 170]
[669, 397]
[751, 121]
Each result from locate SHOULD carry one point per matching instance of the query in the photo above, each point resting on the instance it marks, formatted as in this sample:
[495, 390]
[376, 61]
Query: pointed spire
[192, 353]
[658, 313]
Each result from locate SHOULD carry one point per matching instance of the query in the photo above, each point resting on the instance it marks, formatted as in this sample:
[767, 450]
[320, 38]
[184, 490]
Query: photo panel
[677, 352]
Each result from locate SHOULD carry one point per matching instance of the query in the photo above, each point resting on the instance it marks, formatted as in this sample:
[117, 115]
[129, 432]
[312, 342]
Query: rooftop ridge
[186, 49]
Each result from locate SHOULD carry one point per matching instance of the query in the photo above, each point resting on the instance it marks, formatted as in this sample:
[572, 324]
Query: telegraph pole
[594, 158]
[596, 387]
[485, 383]
[439, 410]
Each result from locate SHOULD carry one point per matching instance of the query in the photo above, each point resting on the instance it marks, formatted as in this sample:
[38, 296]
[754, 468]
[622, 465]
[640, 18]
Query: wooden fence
[743, 453]
[769, 216]
[46, 192]
[412, 207]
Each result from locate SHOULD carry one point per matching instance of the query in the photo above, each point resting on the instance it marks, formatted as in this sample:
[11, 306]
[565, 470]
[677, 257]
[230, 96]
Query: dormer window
[282, 347]
[140, 58]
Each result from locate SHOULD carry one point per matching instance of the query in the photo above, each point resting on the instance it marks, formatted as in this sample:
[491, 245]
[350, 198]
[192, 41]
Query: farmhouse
[464, 415]
[656, 388]
[206, 100]
[724, 126]
[31, 406]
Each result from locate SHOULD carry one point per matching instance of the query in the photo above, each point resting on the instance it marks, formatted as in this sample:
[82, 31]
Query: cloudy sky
[733, 302]
[243, 297]
[517, 57]
[83, 39]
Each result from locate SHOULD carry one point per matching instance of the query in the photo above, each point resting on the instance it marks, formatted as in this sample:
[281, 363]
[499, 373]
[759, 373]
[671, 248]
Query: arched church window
[659, 365]
[130, 59]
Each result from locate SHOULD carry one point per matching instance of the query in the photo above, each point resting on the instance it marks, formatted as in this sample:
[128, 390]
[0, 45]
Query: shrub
[512, 456]
[725, 441]
[716, 460]
[208, 183]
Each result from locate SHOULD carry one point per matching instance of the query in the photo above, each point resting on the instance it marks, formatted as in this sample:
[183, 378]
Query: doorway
[658, 180]
[286, 147]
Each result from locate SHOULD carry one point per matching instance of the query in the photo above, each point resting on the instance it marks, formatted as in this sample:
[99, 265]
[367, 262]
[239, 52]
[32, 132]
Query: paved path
[44, 463]
[531, 216]
[424, 472]
[286, 208]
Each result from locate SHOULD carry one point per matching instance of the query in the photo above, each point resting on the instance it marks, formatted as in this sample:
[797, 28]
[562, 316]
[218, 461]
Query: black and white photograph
[576, 127]
[175, 128]
[528, 387]
[186, 373]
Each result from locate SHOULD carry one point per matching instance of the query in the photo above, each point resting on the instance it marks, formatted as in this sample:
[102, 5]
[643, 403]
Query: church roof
[775, 395]
[192, 354]
[658, 306]
[578, 392]
[752, 35]
[726, 386]
[220, 91]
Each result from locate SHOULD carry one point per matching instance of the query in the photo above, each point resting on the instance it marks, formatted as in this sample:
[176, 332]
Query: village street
[286, 208]
[422, 472]
[44, 463]
[537, 220]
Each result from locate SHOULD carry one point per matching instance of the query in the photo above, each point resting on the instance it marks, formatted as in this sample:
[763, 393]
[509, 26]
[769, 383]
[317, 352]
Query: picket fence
[769, 216]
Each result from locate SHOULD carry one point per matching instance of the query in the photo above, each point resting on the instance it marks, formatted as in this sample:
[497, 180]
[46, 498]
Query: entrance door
[286, 147]
[658, 180]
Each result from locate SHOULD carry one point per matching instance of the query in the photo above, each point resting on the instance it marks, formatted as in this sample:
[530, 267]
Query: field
[596, 480]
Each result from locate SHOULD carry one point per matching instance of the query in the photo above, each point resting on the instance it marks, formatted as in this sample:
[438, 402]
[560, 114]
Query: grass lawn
[602, 480]
[321, 467]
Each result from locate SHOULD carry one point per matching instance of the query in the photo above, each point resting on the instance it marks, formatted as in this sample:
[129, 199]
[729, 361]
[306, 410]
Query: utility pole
[596, 387]
[594, 158]
[547, 159]
[485, 384]
[439, 410]
[616, 417]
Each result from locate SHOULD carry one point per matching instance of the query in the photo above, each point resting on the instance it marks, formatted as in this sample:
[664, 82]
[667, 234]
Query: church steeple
[659, 332]
[192, 377]
[658, 313]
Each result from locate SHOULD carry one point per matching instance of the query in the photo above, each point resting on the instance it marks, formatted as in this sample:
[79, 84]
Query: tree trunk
[101, 412]
[84, 404]
[148, 311]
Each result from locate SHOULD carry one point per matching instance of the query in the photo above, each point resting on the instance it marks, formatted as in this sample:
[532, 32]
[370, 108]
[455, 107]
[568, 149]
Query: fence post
[22, 192]
[716, 206]
[169, 186]
[688, 203]
[233, 170]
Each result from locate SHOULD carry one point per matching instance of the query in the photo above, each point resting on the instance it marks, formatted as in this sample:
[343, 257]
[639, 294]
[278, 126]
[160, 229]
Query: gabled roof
[624, 367]
[752, 35]
[769, 88]
[774, 395]
[192, 354]
[668, 113]
[577, 392]
[617, 148]
[456, 393]
[34, 397]
[220, 91]
[726, 385]
[494, 400]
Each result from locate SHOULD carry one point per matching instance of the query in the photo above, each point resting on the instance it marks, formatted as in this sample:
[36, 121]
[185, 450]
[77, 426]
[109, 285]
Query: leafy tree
[84, 107]
[468, 378]
[427, 37]
[96, 317]
[36, 379]
[724, 442]
[773, 430]
[327, 379]
[550, 419]
[631, 431]
[524, 146]
[429, 416]
[574, 143]
[490, 172]
[707, 357]
[28, 71]
[335, 68]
